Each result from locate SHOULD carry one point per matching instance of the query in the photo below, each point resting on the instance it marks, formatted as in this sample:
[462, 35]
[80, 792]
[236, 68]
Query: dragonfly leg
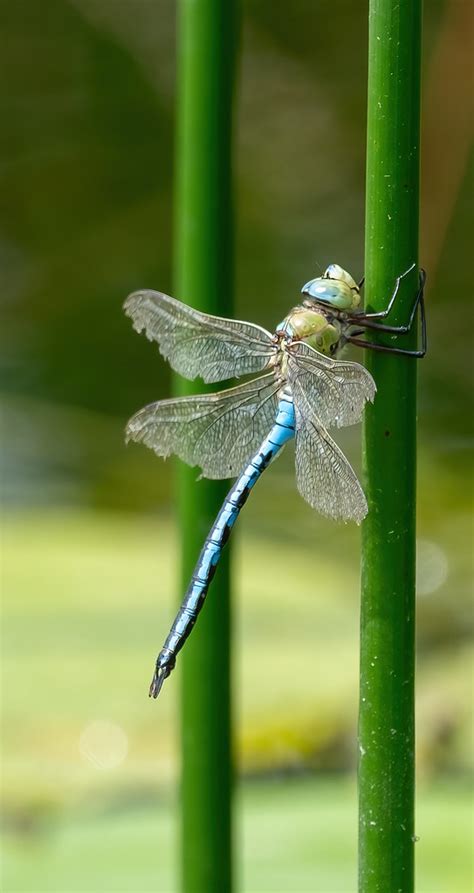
[397, 330]
[365, 319]
[381, 314]
[403, 351]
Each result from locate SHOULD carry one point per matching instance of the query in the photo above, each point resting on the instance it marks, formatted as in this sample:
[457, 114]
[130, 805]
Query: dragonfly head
[336, 288]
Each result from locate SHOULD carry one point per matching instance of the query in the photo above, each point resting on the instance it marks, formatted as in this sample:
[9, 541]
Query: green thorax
[313, 327]
[320, 321]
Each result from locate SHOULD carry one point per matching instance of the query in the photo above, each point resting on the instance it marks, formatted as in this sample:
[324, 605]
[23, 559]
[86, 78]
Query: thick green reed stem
[386, 719]
[203, 278]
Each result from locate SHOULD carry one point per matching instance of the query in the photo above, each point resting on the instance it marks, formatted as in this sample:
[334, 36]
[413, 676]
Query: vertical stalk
[386, 718]
[203, 278]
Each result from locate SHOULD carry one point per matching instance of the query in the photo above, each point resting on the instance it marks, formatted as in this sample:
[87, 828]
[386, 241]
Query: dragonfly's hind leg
[371, 345]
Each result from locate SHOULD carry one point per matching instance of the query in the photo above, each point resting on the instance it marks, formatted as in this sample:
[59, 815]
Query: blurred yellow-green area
[90, 550]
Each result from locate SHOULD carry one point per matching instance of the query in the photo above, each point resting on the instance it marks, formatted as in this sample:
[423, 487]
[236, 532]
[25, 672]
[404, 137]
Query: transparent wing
[198, 344]
[336, 391]
[323, 475]
[217, 432]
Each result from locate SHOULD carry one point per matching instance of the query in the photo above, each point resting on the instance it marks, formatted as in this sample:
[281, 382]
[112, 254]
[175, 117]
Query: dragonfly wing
[335, 390]
[198, 344]
[217, 432]
[323, 475]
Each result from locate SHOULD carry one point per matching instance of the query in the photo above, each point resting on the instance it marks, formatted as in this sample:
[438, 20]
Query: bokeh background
[89, 579]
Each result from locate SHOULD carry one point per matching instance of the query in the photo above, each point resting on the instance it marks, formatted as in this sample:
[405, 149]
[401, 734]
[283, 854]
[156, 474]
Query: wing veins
[229, 409]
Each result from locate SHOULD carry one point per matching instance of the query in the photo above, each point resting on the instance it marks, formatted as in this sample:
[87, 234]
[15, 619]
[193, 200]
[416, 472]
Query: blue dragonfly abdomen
[282, 431]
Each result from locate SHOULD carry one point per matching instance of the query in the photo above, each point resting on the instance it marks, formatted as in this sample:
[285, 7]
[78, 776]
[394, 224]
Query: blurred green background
[89, 580]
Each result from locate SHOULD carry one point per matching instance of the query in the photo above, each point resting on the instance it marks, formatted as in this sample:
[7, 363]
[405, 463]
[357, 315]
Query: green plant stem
[203, 278]
[386, 718]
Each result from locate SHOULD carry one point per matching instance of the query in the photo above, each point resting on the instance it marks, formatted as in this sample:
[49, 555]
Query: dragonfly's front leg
[381, 314]
[364, 321]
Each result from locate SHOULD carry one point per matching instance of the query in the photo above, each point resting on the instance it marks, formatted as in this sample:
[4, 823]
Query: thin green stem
[386, 718]
[203, 278]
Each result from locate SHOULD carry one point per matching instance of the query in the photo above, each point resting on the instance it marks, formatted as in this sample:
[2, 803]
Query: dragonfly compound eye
[334, 271]
[334, 293]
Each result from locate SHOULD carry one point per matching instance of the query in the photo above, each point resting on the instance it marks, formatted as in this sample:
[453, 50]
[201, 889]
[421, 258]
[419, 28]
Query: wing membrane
[335, 391]
[323, 475]
[217, 432]
[198, 344]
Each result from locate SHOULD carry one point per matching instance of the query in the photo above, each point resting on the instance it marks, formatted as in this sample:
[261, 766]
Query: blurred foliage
[297, 835]
[80, 633]
[79, 636]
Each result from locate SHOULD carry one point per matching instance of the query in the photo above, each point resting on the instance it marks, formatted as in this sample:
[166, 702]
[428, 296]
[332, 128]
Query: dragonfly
[299, 389]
